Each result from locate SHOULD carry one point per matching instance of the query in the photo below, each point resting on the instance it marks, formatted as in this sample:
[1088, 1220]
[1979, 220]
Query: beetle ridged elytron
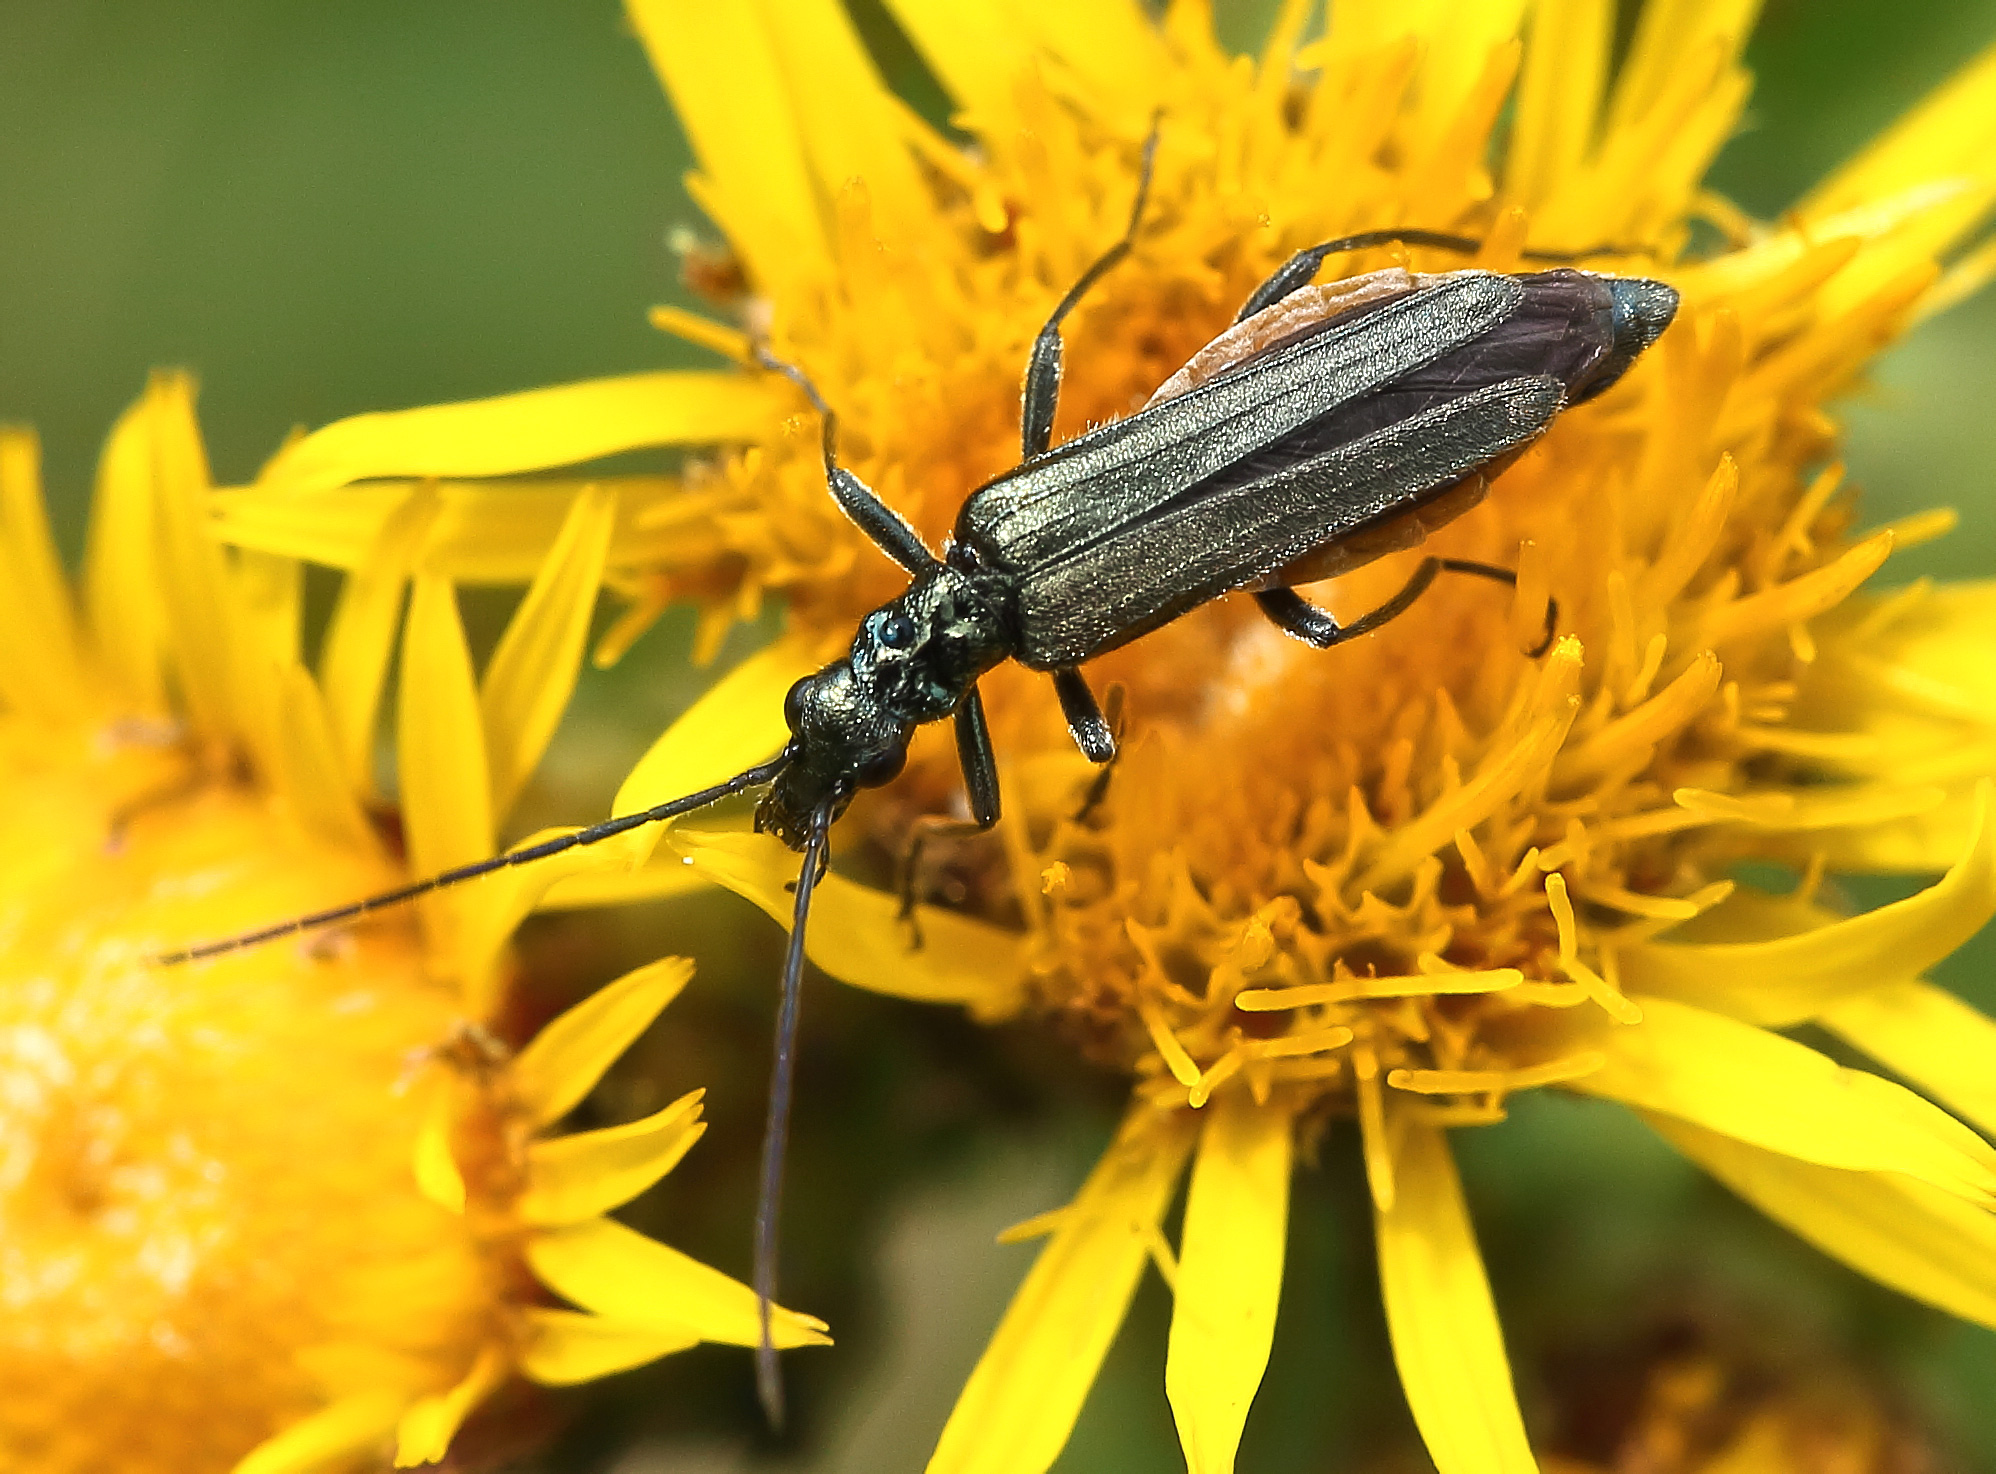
[1330, 425]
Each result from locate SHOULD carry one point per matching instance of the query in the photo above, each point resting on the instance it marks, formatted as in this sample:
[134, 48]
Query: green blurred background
[328, 209]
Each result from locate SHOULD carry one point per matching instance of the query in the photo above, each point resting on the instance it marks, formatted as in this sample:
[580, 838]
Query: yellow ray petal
[721, 68]
[1446, 1340]
[739, 722]
[335, 528]
[1229, 1277]
[1929, 1036]
[353, 665]
[856, 932]
[618, 1272]
[663, 877]
[1947, 135]
[1669, 32]
[1021, 1401]
[532, 672]
[1917, 1239]
[1559, 97]
[570, 1178]
[976, 49]
[119, 559]
[530, 431]
[493, 907]
[1782, 1096]
[201, 623]
[565, 1347]
[41, 628]
[440, 742]
[329, 1439]
[846, 117]
[571, 1052]
[423, 1436]
[433, 1159]
[1112, 47]
[1795, 978]
[310, 772]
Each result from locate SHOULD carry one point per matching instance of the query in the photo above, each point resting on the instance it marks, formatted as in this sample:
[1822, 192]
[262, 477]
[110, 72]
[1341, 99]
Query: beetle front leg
[1297, 616]
[980, 778]
[1085, 722]
[1041, 396]
[884, 527]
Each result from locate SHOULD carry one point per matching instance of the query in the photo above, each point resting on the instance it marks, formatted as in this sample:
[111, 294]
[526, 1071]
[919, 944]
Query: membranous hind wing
[1358, 423]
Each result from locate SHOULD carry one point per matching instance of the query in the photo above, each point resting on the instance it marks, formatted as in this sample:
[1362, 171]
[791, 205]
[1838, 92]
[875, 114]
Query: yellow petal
[663, 877]
[846, 117]
[119, 558]
[330, 1439]
[736, 724]
[571, 1052]
[310, 772]
[1020, 1404]
[720, 66]
[570, 1178]
[1784, 1097]
[1917, 1239]
[200, 619]
[423, 1436]
[1667, 33]
[1795, 978]
[532, 672]
[1229, 1276]
[41, 619]
[433, 1158]
[618, 1272]
[1559, 95]
[530, 431]
[1947, 136]
[565, 1347]
[440, 743]
[1929, 1036]
[856, 933]
[336, 529]
[353, 664]
[1446, 1340]
[976, 49]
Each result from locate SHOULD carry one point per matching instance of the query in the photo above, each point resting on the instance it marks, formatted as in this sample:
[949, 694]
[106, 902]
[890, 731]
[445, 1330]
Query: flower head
[1397, 883]
[297, 1206]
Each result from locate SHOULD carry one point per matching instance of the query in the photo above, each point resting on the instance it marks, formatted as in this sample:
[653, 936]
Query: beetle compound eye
[884, 768]
[793, 703]
[897, 632]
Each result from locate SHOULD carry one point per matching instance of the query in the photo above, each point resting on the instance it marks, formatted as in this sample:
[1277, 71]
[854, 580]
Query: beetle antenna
[776, 1128]
[594, 834]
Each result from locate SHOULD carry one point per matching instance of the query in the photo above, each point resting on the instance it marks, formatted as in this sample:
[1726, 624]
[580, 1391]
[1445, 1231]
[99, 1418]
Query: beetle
[1331, 424]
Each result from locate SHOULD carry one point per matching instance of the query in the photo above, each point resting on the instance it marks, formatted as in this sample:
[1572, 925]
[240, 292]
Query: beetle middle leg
[1297, 616]
[1085, 723]
[1042, 390]
[980, 779]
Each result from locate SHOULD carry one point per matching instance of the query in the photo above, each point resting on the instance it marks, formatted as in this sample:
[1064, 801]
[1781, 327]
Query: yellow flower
[294, 1207]
[1399, 882]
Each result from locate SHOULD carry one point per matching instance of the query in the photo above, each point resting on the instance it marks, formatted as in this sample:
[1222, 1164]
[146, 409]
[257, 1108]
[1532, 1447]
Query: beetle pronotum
[1329, 425]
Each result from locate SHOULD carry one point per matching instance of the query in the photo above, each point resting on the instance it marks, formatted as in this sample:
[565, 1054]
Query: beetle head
[841, 740]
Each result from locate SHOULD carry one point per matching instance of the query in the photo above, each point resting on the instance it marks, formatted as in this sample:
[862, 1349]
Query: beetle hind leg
[1296, 616]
